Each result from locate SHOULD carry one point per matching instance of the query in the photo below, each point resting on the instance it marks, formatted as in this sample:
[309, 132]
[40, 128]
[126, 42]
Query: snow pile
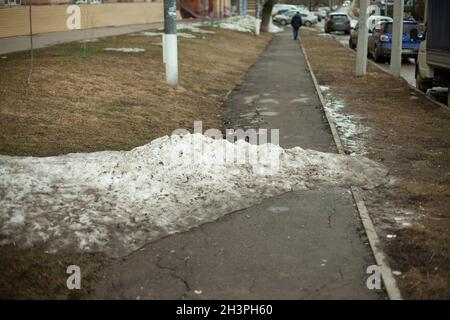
[239, 23]
[126, 50]
[116, 201]
[245, 24]
[273, 28]
[193, 27]
[152, 34]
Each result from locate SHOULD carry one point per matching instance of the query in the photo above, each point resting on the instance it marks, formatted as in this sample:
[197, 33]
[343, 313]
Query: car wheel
[308, 24]
[420, 83]
[377, 56]
[350, 44]
[283, 22]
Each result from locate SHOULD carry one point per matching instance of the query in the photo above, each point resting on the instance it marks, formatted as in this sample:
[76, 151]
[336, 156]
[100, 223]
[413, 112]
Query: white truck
[433, 61]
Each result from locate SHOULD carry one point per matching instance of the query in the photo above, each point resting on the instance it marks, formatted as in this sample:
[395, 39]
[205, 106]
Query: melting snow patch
[193, 27]
[273, 28]
[89, 40]
[126, 50]
[152, 34]
[185, 35]
[351, 132]
[245, 24]
[158, 34]
[116, 201]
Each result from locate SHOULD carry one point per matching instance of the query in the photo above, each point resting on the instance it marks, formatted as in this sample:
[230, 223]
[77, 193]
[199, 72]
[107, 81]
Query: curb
[390, 283]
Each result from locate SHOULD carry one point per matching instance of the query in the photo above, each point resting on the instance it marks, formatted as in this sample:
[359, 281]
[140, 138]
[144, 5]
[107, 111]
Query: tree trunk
[266, 15]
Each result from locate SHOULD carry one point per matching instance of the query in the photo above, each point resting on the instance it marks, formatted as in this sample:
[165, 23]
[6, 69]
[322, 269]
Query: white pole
[363, 34]
[258, 17]
[397, 38]
[170, 45]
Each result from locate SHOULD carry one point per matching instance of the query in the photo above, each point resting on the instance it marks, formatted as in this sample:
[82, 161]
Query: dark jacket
[296, 21]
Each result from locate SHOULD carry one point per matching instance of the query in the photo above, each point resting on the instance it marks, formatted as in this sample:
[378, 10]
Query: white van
[279, 6]
[373, 20]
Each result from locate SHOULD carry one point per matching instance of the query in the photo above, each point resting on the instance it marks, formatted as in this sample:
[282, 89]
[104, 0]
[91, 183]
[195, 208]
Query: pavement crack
[330, 217]
[173, 273]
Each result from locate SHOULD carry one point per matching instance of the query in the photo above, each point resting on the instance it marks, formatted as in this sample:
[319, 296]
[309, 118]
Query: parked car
[280, 12]
[380, 40]
[371, 22]
[285, 18]
[320, 15]
[337, 21]
[286, 7]
[327, 10]
[308, 19]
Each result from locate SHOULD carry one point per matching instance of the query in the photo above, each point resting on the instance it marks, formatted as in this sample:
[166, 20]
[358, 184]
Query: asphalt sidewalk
[300, 245]
[40, 40]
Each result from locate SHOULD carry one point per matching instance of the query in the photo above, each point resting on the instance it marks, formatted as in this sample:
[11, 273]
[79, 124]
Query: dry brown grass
[410, 135]
[108, 100]
[113, 100]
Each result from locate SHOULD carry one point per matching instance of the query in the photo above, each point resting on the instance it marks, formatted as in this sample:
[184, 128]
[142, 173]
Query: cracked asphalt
[300, 245]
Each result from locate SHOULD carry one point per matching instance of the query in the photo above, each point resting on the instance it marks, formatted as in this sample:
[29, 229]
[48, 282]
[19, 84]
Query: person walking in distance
[296, 23]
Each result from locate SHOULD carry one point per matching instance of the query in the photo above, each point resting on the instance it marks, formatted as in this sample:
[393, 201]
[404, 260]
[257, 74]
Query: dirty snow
[116, 201]
[237, 23]
[273, 28]
[193, 27]
[245, 24]
[351, 128]
[151, 34]
[126, 50]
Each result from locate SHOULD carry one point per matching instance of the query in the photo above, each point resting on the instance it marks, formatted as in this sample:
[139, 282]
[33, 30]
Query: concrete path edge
[388, 278]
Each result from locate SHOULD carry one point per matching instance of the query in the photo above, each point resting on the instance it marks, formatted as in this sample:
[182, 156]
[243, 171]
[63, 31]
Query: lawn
[114, 100]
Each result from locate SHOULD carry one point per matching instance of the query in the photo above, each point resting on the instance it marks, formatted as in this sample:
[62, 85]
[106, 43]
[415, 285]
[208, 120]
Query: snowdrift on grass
[116, 201]
[126, 50]
[245, 24]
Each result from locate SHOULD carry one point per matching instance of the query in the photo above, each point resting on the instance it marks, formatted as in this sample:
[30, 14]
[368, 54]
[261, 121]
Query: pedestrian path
[300, 245]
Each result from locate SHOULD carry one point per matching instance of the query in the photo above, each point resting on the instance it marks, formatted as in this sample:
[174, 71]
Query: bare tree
[266, 15]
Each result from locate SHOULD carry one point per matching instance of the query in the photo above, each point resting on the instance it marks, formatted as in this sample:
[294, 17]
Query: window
[339, 18]
[407, 27]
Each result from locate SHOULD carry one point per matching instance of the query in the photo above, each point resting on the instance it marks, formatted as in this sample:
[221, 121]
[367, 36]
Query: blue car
[380, 40]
